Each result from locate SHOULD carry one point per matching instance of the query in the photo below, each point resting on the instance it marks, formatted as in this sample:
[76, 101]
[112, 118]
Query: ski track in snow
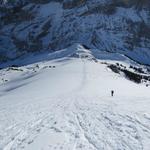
[75, 120]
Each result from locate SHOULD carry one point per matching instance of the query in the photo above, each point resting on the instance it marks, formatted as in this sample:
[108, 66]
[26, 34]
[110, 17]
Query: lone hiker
[112, 93]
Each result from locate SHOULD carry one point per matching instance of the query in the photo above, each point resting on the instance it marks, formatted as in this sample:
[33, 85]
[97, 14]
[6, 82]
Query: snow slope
[65, 104]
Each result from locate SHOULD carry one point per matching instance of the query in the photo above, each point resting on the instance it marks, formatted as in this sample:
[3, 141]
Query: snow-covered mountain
[62, 101]
[60, 60]
[120, 26]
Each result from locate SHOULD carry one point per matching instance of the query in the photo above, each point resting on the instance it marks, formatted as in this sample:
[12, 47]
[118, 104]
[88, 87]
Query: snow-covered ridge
[74, 51]
[80, 52]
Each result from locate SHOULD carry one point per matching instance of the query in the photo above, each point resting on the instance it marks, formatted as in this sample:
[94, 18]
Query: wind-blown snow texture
[121, 26]
[63, 102]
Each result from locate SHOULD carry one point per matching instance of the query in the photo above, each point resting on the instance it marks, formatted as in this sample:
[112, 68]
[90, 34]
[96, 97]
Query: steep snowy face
[120, 26]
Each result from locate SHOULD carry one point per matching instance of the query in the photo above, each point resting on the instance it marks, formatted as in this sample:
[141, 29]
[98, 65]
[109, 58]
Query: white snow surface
[69, 106]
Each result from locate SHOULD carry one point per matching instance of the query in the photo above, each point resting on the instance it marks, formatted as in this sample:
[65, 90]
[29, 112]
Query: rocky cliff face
[119, 26]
